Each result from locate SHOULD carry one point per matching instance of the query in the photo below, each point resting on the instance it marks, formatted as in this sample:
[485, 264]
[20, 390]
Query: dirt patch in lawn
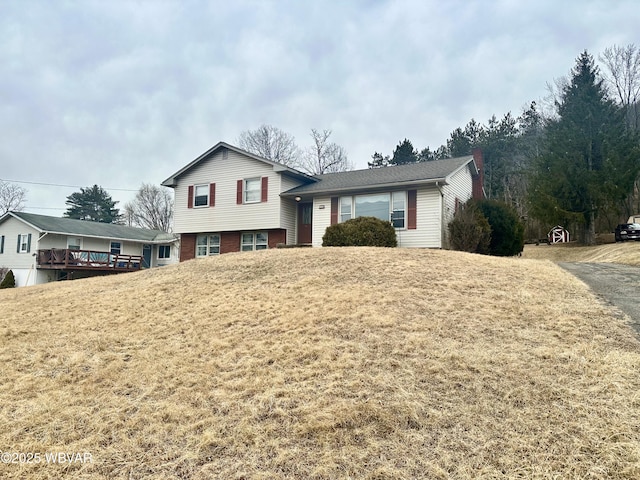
[321, 363]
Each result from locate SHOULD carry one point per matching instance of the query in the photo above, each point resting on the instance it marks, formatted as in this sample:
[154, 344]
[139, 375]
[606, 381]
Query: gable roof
[277, 167]
[83, 228]
[385, 177]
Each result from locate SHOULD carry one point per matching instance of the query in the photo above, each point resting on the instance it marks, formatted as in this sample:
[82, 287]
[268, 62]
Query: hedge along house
[230, 200]
[41, 249]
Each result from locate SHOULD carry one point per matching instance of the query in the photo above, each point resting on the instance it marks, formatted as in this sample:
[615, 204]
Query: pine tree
[589, 160]
[93, 204]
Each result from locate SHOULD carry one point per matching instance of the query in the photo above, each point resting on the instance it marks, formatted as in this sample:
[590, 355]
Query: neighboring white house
[230, 200]
[40, 248]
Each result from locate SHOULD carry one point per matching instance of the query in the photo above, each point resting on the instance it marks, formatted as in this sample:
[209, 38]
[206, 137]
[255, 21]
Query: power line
[60, 185]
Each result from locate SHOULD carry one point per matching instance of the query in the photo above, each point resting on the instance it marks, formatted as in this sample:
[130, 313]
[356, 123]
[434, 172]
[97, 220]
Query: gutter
[366, 188]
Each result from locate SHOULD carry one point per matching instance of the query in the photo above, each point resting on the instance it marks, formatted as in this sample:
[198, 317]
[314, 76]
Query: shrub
[8, 281]
[361, 231]
[507, 231]
[469, 231]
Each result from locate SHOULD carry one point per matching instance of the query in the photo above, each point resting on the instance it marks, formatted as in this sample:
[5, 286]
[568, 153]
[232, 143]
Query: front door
[146, 256]
[305, 217]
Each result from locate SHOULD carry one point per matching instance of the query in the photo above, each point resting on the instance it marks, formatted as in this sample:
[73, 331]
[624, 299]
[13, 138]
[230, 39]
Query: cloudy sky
[121, 92]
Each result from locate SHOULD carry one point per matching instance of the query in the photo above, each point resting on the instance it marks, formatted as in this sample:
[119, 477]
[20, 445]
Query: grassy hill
[321, 363]
[627, 253]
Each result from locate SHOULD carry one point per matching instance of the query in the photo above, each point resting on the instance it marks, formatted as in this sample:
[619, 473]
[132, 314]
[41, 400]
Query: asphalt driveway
[615, 283]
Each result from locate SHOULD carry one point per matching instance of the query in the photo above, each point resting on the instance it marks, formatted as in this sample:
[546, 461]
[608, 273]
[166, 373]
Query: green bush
[8, 281]
[507, 231]
[361, 231]
[469, 231]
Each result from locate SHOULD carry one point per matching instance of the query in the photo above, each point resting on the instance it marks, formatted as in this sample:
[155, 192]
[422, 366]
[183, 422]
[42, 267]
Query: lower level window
[164, 251]
[208, 244]
[254, 241]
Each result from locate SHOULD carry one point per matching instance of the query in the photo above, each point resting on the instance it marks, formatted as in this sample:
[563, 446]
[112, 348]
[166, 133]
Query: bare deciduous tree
[622, 66]
[271, 143]
[12, 197]
[324, 156]
[151, 208]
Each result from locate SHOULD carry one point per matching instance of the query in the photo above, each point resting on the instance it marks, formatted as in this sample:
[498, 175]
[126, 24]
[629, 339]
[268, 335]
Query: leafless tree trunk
[324, 156]
[12, 197]
[151, 208]
[623, 75]
[271, 143]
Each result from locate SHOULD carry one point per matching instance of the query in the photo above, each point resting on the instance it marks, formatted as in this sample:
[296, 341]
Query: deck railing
[70, 259]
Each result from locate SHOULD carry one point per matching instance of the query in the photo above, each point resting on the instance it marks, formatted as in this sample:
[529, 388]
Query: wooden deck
[69, 259]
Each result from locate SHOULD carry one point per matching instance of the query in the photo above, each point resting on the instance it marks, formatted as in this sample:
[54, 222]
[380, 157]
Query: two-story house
[230, 200]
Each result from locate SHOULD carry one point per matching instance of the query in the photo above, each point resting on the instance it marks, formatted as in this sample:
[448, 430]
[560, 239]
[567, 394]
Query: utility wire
[60, 185]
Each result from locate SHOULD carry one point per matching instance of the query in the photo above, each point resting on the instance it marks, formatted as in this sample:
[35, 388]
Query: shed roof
[84, 228]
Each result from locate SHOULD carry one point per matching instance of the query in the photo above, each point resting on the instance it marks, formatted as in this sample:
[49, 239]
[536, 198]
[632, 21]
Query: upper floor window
[252, 190]
[201, 196]
[24, 243]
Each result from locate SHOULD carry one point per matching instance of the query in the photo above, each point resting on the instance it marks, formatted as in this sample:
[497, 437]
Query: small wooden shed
[558, 234]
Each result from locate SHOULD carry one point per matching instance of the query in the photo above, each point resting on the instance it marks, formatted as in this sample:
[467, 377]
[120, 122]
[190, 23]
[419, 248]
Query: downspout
[442, 225]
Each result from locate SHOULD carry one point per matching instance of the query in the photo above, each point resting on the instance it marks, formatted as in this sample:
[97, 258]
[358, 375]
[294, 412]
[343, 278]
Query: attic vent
[225, 154]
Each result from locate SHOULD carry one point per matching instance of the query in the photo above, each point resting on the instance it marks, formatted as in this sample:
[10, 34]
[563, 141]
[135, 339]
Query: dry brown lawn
[319, 364]
[626, 252]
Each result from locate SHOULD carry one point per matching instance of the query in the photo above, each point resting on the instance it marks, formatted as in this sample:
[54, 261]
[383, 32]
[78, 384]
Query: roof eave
[277, 167]
[379, 186]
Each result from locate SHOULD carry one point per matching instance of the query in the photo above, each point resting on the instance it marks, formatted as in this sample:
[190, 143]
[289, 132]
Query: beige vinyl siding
[227, 215]
[428, 232]
[11, 228]
[428, 210]
[460, 186]
[289, 210]
[321, 219]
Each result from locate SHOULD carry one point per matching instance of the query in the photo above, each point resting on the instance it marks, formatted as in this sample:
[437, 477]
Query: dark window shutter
[212, 194]
[334, 210]
[412, 196]
[265, 189]
[190, 197]
[239, 192]
[28, 243]
[18, 249]
[2, 244]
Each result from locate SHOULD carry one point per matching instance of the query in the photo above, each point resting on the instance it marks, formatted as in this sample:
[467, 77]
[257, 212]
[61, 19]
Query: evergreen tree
[589, 159]
[93, 204]
[404, 153]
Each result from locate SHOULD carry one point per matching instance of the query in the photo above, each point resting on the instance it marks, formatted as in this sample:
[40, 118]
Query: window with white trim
[252, 190]
[398, 209]
[116, 248]
[207, 244]
[74, 243]
[164, 251]
[345, 209]
[23, 242]
[201, 196]
[390, 207]
[254, 241]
